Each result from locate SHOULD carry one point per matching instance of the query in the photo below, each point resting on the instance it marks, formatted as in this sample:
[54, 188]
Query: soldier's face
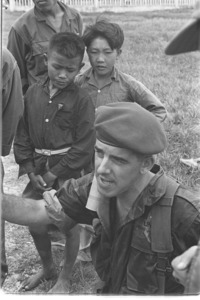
[117, 170]
[45, 5]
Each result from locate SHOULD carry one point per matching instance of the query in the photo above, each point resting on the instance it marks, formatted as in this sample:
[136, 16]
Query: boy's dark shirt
[64, 120]
[126, 263]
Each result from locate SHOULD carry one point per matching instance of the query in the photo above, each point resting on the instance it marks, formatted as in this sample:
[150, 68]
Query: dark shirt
[64, 120]
[123, 258]
[29, 37]
[121, 87]
[12, 100]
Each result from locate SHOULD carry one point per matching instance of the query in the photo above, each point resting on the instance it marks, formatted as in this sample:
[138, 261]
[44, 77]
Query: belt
[52, 152]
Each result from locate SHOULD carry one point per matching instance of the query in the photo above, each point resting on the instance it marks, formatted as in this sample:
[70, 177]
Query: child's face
[102, 57]
[62, 70]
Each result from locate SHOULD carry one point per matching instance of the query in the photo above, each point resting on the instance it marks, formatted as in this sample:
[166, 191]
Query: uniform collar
[150, 195]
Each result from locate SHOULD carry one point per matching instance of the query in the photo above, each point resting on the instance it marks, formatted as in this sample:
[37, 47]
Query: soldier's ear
[147, 164]
[45, 59]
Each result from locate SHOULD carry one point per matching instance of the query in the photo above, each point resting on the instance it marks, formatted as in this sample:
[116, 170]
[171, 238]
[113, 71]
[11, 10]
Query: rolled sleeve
[73, 198]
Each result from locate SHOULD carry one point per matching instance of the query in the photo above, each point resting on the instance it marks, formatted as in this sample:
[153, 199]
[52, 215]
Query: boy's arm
[19, 49]
[144, 97]
[82, 149]
[23, 146]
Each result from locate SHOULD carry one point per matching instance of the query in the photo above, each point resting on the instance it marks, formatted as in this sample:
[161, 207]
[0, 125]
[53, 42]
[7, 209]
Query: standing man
[12, 109]
[187, 265]
[29, 36]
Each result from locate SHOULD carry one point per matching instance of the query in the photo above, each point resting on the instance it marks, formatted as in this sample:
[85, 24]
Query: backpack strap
[161, 240]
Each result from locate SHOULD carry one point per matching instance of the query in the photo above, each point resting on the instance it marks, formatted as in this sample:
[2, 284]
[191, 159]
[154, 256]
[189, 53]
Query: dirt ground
[22, 258]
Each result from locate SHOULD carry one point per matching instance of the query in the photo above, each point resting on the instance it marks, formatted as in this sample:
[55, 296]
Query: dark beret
[130, 126]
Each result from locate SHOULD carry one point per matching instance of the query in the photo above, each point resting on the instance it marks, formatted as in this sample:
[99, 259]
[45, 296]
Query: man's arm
[12, 100]
[144, 97]
[19, 49]
[24, 211]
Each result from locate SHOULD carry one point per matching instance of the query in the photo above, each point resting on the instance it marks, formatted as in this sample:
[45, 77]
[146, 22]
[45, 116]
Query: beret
[188, 38]
[130, 126]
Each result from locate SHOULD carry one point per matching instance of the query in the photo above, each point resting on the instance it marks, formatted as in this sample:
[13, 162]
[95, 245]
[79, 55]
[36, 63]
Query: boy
[55, 138]
[106, 84]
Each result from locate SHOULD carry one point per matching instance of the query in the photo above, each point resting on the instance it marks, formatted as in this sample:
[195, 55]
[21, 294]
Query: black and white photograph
[100, 148]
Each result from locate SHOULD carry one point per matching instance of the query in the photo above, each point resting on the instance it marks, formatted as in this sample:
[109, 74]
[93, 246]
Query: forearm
[23, 211]
[144, 97]
[23, 146]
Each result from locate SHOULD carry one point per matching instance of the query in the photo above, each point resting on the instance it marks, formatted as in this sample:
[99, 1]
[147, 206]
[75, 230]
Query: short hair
[112, 32]
[67, 44]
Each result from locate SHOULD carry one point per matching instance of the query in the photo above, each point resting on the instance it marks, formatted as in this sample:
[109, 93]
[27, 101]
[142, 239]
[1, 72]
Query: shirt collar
[151, 194]
[68, 15]
[90, 75]
[44, 82]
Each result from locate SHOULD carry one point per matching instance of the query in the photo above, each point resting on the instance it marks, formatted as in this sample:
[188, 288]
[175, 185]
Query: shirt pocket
[64, 119]
[38, 51]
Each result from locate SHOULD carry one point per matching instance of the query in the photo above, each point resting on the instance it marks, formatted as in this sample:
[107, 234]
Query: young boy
[55, 139]
[106, 84]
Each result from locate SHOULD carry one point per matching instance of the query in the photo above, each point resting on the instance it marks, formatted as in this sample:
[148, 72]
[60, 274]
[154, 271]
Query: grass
[173, 79]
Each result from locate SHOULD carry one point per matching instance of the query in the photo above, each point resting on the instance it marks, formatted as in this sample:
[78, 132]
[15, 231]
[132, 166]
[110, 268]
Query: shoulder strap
[161, 220]
[161, 240]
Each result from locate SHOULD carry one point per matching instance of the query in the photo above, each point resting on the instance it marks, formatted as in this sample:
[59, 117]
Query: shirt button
[46, 120]
[99, 91]
[50, 101]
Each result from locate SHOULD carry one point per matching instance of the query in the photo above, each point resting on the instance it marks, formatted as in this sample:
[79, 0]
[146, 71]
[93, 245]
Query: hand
[38, 183]
[181, 264]
[49, 178]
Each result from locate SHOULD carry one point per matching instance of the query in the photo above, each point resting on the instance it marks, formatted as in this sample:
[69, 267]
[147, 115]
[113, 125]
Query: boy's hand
[38, 183]
[49, 178]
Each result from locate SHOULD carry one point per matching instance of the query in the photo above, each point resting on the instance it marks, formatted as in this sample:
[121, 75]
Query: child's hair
[67, 44]
[112, 32]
